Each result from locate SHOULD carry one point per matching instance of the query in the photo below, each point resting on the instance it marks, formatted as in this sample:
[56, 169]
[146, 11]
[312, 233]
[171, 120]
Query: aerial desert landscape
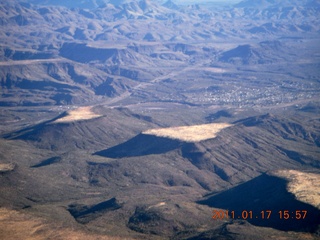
[150, 119]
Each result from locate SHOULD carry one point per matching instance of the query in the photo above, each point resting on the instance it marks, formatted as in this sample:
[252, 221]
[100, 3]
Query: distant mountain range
[129, 37]
[90, 4]
[278, 3]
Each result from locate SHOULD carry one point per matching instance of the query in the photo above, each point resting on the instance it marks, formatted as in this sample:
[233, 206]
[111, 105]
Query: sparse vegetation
[16, 225]
[304, 185]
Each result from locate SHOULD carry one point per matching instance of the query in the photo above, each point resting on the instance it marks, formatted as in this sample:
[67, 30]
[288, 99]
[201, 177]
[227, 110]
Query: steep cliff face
[251, 146]
[264, 197]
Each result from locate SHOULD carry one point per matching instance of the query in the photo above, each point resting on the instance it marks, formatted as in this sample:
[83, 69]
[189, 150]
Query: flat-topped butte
[305, 186]
[81, 113]
[195, 133]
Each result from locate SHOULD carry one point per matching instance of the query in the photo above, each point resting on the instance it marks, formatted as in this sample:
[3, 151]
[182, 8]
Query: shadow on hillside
[47, 162]
[141, 145]
[28, 133]
[267, 193]
[84, 213]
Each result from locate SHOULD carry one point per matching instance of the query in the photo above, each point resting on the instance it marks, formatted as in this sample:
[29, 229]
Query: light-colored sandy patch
[104, 45]
[157, 205]
[6, 167]
[214, 70]
[195, 133]
[17, 225]
[305, 186]
[160, 204]
[26, 62]
[81, 113]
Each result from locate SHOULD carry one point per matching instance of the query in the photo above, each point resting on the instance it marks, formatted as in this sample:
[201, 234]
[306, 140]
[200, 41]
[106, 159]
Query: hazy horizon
[204, 1]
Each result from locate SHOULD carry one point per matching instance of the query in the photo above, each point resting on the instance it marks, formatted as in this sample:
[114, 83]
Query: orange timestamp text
[264, 214]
